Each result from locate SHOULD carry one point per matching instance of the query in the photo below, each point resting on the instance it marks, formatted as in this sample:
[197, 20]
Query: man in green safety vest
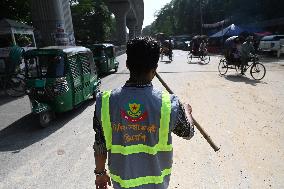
[133, 125]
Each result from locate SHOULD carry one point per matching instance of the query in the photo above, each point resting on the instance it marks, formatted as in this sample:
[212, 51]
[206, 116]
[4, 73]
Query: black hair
[142, 55]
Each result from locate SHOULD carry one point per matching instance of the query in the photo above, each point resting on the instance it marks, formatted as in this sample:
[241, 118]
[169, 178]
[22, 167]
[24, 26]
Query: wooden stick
[197, 125]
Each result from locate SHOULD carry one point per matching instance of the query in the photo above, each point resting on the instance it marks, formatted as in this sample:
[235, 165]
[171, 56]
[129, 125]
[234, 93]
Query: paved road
[243, 116]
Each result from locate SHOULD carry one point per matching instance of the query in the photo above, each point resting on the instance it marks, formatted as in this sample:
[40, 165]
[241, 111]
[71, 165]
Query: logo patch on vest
[134, 112]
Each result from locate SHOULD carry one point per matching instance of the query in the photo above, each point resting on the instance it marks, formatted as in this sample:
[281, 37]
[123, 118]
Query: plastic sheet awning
[231, 30]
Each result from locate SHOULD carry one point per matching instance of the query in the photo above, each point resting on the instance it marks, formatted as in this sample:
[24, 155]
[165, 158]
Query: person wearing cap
[133, 125]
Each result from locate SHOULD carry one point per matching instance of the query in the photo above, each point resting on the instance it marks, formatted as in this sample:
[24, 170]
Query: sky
[150, 7]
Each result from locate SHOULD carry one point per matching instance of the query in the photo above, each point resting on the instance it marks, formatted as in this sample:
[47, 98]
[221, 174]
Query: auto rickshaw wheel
[45, 118]
[115, 69]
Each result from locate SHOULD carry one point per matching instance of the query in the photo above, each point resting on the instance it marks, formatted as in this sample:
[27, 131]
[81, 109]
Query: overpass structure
[128, 13]
[53, 20]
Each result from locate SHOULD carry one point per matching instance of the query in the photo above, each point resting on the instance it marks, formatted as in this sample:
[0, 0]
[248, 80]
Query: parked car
[180, 44]
[179, 41]
[272, 44]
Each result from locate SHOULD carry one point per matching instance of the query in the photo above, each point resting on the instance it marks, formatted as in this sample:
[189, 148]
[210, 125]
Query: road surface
[244, 117]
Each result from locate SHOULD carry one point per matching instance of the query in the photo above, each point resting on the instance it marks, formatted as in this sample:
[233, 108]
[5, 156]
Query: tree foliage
[92, 21]
[16, 10]
[185, 16]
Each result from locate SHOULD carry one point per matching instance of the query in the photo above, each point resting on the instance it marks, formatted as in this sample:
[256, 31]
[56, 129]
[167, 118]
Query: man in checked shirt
[133, 125]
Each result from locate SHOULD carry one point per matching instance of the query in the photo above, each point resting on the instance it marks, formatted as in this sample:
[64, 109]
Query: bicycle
[257, 70]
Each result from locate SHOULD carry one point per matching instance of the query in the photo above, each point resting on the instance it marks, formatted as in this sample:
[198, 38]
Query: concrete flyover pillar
[52, 19]
[131, 25]
[138, 30]
[138, 13]
[120, 10]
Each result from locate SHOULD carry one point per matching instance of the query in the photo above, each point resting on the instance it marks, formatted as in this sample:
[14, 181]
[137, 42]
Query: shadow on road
[122, 73]
[106, 74]
[244, 79]
[4, 99]
[169, 72]
[189, 62]
[166, 61]
[26, 131]
[198, 62]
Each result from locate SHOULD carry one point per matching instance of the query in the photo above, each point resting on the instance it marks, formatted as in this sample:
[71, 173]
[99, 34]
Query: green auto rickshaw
[59, 79]
[104, 56]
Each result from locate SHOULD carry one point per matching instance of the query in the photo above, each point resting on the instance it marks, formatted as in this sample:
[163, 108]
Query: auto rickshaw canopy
[98, 49]
[69, 50]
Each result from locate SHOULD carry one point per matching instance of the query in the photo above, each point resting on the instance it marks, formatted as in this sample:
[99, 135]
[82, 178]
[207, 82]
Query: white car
[272, 43]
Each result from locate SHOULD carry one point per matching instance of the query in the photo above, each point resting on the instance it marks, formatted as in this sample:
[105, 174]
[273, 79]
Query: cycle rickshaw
[166, 50]
[198, 49]
[257, 70]
[233, 58]
[166, 46]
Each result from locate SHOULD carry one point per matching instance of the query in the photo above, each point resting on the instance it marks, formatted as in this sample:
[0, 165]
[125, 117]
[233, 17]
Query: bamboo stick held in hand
[197, 125]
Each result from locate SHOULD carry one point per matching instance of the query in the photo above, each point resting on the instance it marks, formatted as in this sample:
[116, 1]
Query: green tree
[147, 31]
[184, 16]
[164, 20]
[92, 21]
[16, 10]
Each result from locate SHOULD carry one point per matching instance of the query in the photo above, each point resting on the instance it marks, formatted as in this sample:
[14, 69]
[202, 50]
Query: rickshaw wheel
[223, 67]
[258, 71]
[45, 118]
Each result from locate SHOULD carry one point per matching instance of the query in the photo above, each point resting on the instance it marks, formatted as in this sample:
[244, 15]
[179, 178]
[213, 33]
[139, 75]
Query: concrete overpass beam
[120, 10]
[138, 30]
[138, 7]
[131, 25]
